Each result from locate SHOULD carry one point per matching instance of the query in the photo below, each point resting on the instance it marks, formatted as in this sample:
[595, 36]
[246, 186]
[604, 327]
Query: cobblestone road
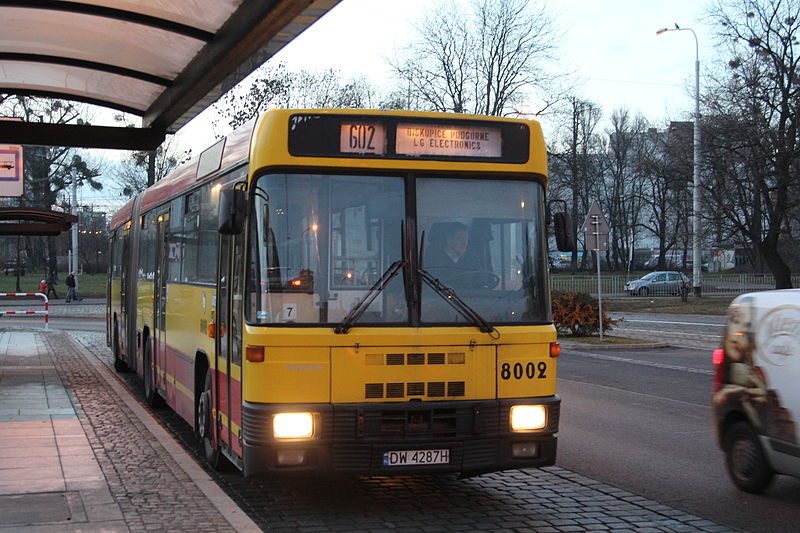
[153, 492]
[547, 500]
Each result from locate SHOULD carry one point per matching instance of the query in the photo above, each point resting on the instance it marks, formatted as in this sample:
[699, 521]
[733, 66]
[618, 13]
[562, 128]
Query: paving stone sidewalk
[108, 472]
[148, 487]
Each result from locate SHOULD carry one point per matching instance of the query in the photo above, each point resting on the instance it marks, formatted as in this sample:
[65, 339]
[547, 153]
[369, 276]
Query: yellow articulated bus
[347, 291]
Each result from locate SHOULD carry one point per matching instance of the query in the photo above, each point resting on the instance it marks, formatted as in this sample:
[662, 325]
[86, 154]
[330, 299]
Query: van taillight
[717, 358]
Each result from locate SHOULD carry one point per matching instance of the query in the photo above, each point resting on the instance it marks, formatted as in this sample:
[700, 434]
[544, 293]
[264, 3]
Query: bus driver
[446, 259]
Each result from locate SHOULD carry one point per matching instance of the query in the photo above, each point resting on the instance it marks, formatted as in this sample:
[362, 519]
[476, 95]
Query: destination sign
[363, 138]
[448, 140]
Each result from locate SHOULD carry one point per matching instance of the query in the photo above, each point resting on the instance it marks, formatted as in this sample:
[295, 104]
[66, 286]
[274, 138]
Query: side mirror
[231, 211]
[564, 232]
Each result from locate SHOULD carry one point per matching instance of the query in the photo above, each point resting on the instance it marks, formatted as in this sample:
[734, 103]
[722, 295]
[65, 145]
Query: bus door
[229, 340]
[123, 294]
[160, 299]
[222, 392]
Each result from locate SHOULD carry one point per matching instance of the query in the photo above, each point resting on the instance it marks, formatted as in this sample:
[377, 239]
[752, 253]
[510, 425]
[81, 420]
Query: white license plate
[416, 457]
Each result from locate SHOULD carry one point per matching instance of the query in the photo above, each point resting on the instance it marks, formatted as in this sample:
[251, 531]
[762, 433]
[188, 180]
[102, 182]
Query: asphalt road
[699, 331]
[640, 420]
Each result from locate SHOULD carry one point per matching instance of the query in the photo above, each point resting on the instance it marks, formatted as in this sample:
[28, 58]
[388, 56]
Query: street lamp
[697, 271]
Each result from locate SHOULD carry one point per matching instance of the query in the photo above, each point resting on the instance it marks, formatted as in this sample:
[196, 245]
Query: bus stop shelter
[32, 221]
[163, 61]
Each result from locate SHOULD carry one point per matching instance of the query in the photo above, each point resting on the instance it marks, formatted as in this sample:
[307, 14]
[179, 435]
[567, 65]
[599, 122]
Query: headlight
[293, 425]
[528, 417]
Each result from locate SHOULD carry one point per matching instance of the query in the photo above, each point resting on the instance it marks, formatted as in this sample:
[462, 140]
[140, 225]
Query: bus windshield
[320, 242]
[484, 239]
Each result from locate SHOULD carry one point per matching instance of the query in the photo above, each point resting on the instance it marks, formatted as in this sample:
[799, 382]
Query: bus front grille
[404, 422]
[416, 389]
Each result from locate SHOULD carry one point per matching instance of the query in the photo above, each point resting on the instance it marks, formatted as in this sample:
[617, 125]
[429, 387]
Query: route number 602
[519, 371]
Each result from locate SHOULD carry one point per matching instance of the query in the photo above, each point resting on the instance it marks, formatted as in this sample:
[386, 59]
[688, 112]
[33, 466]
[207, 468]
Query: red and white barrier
[46, 311]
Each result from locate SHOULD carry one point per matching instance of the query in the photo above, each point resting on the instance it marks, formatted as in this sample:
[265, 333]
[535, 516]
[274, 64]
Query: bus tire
[744, 457]
[151, 396]
[205, 424]
[119, 364]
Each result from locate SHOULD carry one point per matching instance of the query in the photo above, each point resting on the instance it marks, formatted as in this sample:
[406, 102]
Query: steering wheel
[476, 279]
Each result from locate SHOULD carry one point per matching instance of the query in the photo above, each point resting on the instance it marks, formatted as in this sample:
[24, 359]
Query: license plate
[416, 457]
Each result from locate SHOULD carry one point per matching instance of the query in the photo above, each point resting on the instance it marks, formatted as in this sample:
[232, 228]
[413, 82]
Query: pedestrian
[51, 285]
[72, 289]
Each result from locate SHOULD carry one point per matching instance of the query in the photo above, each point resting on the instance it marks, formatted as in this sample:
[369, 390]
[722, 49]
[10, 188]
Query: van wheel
[745, 459]
[205, 425]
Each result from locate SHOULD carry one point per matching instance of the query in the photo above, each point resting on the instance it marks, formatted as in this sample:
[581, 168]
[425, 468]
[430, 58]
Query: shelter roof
[163, 60]
[31, 221]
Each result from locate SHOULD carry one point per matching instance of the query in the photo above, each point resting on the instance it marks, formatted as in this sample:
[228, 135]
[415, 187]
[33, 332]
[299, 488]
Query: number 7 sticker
[289, 312]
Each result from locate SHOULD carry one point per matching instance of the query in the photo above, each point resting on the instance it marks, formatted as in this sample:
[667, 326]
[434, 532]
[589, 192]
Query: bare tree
[514, 52]
[755, 162]
[487, 61]
[666, 167]
[576, 163]
[439, 66]
[131, 175]
[48, 168]
[622, 195]
[277, 86]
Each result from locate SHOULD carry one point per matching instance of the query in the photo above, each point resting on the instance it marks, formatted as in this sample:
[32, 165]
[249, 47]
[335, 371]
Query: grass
[89, 285]
[706, 305]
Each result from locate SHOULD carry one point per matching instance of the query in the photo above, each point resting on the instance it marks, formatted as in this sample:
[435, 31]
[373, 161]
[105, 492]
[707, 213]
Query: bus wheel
[119, 364]
[151, 397]
[745, 459]
[205, 425]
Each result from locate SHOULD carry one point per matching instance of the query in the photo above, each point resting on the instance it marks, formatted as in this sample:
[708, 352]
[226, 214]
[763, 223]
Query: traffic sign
[11, 170]
[595, 228]
[600, 220]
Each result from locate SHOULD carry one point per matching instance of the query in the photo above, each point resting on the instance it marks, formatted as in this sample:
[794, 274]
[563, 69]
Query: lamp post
[697, 270]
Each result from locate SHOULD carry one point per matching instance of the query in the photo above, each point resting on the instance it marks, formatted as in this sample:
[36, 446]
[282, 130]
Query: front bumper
[352, 439]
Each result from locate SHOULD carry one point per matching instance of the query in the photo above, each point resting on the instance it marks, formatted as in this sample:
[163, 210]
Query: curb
[582, 346]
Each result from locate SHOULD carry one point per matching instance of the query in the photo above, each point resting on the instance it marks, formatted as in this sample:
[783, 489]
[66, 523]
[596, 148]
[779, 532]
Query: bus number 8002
[518, 370]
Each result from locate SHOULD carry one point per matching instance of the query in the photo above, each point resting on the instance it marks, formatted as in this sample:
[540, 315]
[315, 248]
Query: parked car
[659, 283]
[755, 393]
[11, 267]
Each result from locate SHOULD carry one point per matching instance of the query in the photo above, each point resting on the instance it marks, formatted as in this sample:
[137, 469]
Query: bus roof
[235, 149]
[256, 140]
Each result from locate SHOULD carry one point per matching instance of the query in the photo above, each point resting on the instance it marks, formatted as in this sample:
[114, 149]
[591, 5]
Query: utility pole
[73, 264]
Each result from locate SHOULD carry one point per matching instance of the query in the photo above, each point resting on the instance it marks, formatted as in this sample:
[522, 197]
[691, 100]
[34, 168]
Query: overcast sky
[610, 45]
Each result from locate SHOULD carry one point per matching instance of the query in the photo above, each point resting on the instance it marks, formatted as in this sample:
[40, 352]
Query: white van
[757, 388]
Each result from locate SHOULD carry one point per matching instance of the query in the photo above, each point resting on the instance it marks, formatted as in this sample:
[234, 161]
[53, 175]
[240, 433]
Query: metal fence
[714, 284]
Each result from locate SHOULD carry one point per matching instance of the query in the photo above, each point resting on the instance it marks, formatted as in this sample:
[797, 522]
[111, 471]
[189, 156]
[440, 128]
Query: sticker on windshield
[289, 312]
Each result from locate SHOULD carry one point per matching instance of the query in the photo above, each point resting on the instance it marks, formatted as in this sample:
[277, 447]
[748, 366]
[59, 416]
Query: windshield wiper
[362, 305]
[450, 296]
